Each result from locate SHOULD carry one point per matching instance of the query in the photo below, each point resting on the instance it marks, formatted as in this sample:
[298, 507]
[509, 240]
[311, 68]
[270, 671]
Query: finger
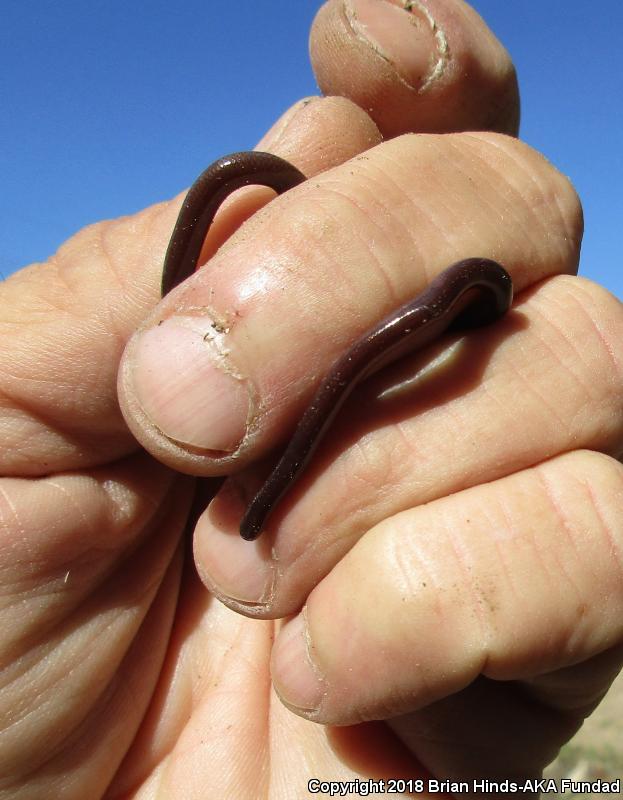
[503, 729]
[64, 323]
[317, 133]
[429, 66]
[434, 425]
[87, 606]
[224, 365]
[254, 742]
[498, 580]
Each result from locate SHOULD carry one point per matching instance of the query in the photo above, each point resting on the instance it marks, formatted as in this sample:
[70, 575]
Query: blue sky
[110, 106]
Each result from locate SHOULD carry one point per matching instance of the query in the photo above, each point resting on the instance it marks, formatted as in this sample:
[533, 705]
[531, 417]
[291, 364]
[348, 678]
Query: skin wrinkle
[574, 541]
[397, 231]
[406, 563]
[100, 256]
[309, 279]
[594, 321]
[569, 364]
[463, 560]
[23, 539]
[163, 218]
[437, 228]
[453, 418]
[547, 193]
[390, 472]
[544, 190]
[410, 447]
[379, 265]
[447, 233]
[421, 210]
[59, 301]
[410, 544]
[39, 652]
[27, 663]
[485, 388]
[279, 132]
[114, 686]
[523, 230]
[306, 550]
[365, 241]
[113, 267]
[266, 758]
[554, 568]
[149, 224]
[93, 554]
[390, 469]
[57, 676]
[510, 522]
[586, 387]
[241, 658]
[532, 388]
[35, 392]
[356, 514]
[615, 549]
[547, 556]
[571, 233]
[580, 354]
[70, 500]
[389, 223]
[39, 308]
[396, 459]
[404, 193]
[363, 479]
[488, 176]
[549, 493]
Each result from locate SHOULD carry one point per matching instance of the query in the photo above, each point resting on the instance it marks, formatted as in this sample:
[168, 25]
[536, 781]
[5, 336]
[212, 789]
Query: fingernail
[236, 571]
[186, 385]
[233, 568]
[403, 33]
[297, 680]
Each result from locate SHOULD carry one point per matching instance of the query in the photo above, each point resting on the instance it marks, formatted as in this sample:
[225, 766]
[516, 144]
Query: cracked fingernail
[403, 33]
[185, 384]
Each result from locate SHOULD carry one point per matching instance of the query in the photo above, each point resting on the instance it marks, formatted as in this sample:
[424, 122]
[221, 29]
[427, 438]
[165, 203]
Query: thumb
[64, 323]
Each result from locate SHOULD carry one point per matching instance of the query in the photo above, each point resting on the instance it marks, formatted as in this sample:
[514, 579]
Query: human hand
[86, 651]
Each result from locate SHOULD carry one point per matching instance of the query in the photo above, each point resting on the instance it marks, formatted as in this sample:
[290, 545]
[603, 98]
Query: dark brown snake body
[470, 293]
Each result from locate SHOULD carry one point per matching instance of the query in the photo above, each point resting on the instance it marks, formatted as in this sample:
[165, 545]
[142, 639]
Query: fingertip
[296, 677]
[319, 133]
[426, 67]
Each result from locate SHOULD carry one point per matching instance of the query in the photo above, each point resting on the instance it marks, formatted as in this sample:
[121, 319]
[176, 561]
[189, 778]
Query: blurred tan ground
[596, 751]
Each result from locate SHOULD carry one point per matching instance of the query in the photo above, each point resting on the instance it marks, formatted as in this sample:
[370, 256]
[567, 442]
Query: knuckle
[586, 489]
[591, 319]
[575, 327]
[538, 189]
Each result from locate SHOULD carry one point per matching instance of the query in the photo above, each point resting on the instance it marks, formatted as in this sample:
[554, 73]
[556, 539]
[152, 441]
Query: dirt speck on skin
[596, 751]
